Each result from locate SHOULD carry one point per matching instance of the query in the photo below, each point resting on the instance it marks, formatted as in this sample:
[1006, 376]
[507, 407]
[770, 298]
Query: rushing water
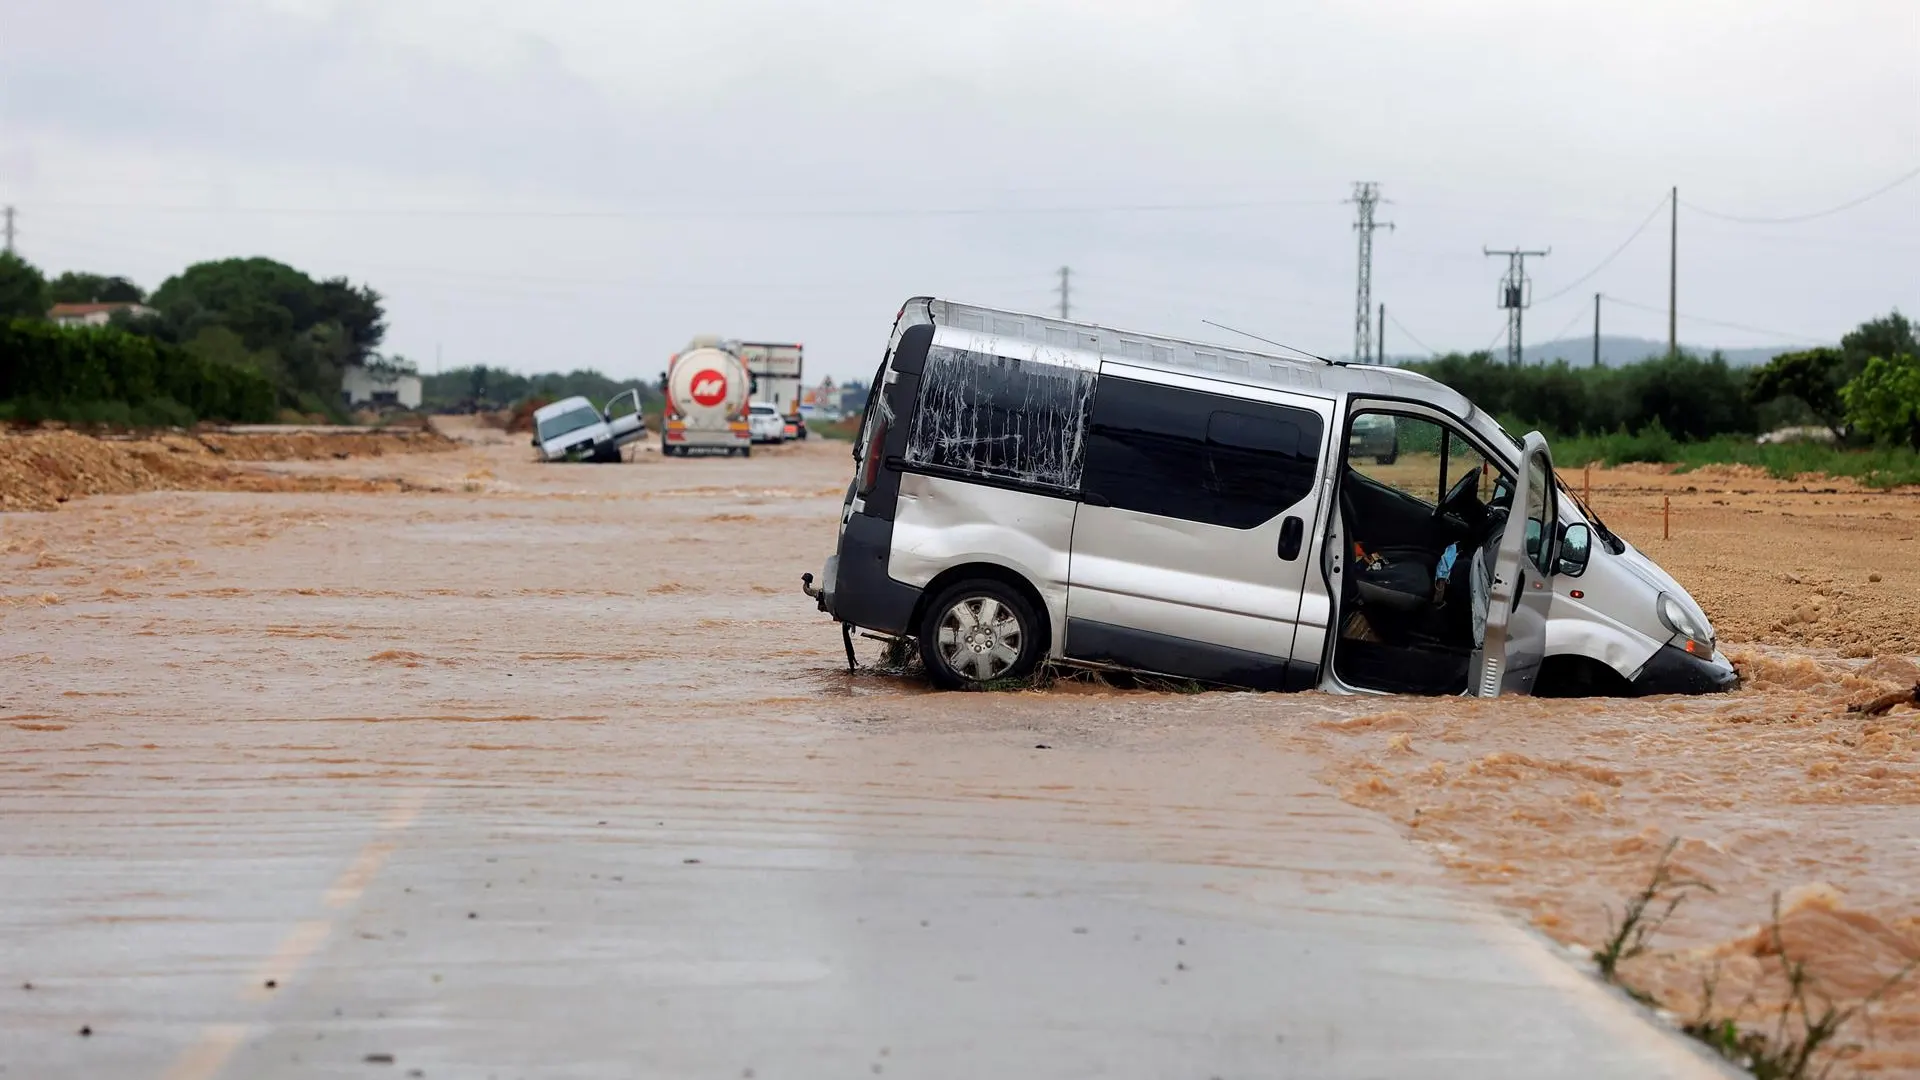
[606, 601]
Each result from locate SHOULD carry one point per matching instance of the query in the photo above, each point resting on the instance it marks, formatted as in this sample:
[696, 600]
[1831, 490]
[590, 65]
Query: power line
[1635, 235]
[1578, 316]
[1796, 338]
[1794, 218]
[1398, 325]
[672, 214]
[1496, 338]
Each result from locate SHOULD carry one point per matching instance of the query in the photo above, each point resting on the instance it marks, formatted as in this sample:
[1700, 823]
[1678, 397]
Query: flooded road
[520, 770]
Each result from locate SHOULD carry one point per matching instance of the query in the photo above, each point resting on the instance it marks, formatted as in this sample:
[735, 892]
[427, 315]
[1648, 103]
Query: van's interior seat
[1396, 586]
[1403, 583]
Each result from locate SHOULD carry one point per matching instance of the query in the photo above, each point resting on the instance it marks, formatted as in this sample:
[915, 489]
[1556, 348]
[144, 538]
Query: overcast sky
[543, 184]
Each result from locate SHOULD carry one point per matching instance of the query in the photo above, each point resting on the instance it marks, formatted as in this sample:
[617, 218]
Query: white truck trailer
[777, 379]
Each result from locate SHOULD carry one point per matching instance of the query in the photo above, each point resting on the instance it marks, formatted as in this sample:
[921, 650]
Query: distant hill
[1617, 351]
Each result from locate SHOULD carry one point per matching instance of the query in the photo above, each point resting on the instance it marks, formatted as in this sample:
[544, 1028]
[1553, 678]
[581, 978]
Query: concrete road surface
[562, 778]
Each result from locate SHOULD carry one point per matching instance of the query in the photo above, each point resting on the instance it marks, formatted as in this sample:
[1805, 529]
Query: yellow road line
[209, 1053]
[355, 878]
[301, 942]
[204, 1059]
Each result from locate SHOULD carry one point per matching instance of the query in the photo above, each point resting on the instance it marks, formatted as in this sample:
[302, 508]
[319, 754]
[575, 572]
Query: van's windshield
[568, 422]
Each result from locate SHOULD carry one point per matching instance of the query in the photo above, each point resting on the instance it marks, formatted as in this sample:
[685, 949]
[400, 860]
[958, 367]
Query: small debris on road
[378, 1059]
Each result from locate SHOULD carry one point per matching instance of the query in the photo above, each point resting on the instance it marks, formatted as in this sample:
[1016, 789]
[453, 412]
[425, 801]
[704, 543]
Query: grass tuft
[1643, 916]
[1802, 1040]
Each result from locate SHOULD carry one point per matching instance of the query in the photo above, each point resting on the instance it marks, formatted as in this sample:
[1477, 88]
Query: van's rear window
[997, 416]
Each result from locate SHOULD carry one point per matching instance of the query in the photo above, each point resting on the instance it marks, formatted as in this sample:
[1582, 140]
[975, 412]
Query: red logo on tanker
[709, 388]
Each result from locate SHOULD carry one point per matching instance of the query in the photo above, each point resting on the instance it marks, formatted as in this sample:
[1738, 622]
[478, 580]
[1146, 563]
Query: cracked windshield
[584, 539]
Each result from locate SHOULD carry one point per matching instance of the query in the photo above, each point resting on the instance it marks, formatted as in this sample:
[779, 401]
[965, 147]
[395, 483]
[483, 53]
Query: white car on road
[766, 424]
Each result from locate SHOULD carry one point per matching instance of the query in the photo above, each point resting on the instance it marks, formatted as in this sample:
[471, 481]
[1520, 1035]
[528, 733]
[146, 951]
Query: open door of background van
[1522, 588]
[624, 417]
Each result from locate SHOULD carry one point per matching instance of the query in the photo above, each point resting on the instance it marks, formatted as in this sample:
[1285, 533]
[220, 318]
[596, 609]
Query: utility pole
[1066, 274]
[1673, 275]
[9, 229]
[1596, 329]
[1380, 341]
[1366, 196]
[1516, 295]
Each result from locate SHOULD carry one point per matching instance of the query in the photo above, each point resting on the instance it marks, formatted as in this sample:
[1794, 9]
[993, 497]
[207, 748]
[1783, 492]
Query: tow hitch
[846, 629]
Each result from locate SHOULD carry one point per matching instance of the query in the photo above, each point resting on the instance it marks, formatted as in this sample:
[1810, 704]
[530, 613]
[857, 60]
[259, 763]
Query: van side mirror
[1576, 545]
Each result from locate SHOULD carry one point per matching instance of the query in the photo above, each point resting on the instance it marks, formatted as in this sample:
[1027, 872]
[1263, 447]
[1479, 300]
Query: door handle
[1292, 531]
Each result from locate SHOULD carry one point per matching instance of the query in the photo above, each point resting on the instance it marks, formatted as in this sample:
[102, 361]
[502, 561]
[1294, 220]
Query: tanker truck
[707, 388]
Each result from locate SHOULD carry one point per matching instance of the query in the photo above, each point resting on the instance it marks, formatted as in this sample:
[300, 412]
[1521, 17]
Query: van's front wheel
[977, 633]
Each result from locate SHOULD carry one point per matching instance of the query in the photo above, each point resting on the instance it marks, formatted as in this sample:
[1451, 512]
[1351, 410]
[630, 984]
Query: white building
[96, 314]
[359, 386]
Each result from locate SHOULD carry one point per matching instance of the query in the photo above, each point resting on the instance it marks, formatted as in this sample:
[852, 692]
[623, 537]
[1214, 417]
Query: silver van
[1029, 489]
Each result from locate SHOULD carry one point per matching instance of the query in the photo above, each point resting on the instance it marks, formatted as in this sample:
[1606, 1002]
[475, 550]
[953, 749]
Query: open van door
[623, 415]
[1522, 587]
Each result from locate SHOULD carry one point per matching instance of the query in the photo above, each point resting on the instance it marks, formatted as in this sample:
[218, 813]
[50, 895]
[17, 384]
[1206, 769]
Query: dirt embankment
[39, 470]
[1812, 562]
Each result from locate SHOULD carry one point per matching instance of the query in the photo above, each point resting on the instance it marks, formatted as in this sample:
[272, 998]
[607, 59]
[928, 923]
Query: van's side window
[1201, 457]
[1001, 417]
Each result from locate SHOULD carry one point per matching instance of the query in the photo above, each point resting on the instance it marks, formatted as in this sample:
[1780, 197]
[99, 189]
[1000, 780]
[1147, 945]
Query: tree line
[254, 323]
[481, 388]
[1867, 389]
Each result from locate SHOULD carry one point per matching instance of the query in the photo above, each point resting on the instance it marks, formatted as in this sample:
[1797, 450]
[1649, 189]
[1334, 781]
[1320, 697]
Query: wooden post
[1666, 517]
[1586, 486]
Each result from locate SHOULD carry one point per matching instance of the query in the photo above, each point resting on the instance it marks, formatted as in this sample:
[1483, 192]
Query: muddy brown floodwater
[431, 614]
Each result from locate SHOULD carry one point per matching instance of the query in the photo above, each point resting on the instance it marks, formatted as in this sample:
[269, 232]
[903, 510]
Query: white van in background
[1030, 489]
[571, 429]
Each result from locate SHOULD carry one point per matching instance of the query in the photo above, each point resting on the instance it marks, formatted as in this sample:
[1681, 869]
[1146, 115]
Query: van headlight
[1683, 623]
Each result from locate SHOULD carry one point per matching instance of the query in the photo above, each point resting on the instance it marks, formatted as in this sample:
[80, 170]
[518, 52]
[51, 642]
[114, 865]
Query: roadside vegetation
[845, 429]
[483, 389]
[1859, 403]
[1795, 1033]
[1874, 466]
[236, 339]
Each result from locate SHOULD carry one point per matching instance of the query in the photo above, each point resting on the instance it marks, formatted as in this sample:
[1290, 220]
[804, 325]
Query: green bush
[103, 375]
[1884, 400]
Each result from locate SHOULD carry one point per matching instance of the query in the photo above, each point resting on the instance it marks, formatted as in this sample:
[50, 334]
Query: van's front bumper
[1673, 670]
